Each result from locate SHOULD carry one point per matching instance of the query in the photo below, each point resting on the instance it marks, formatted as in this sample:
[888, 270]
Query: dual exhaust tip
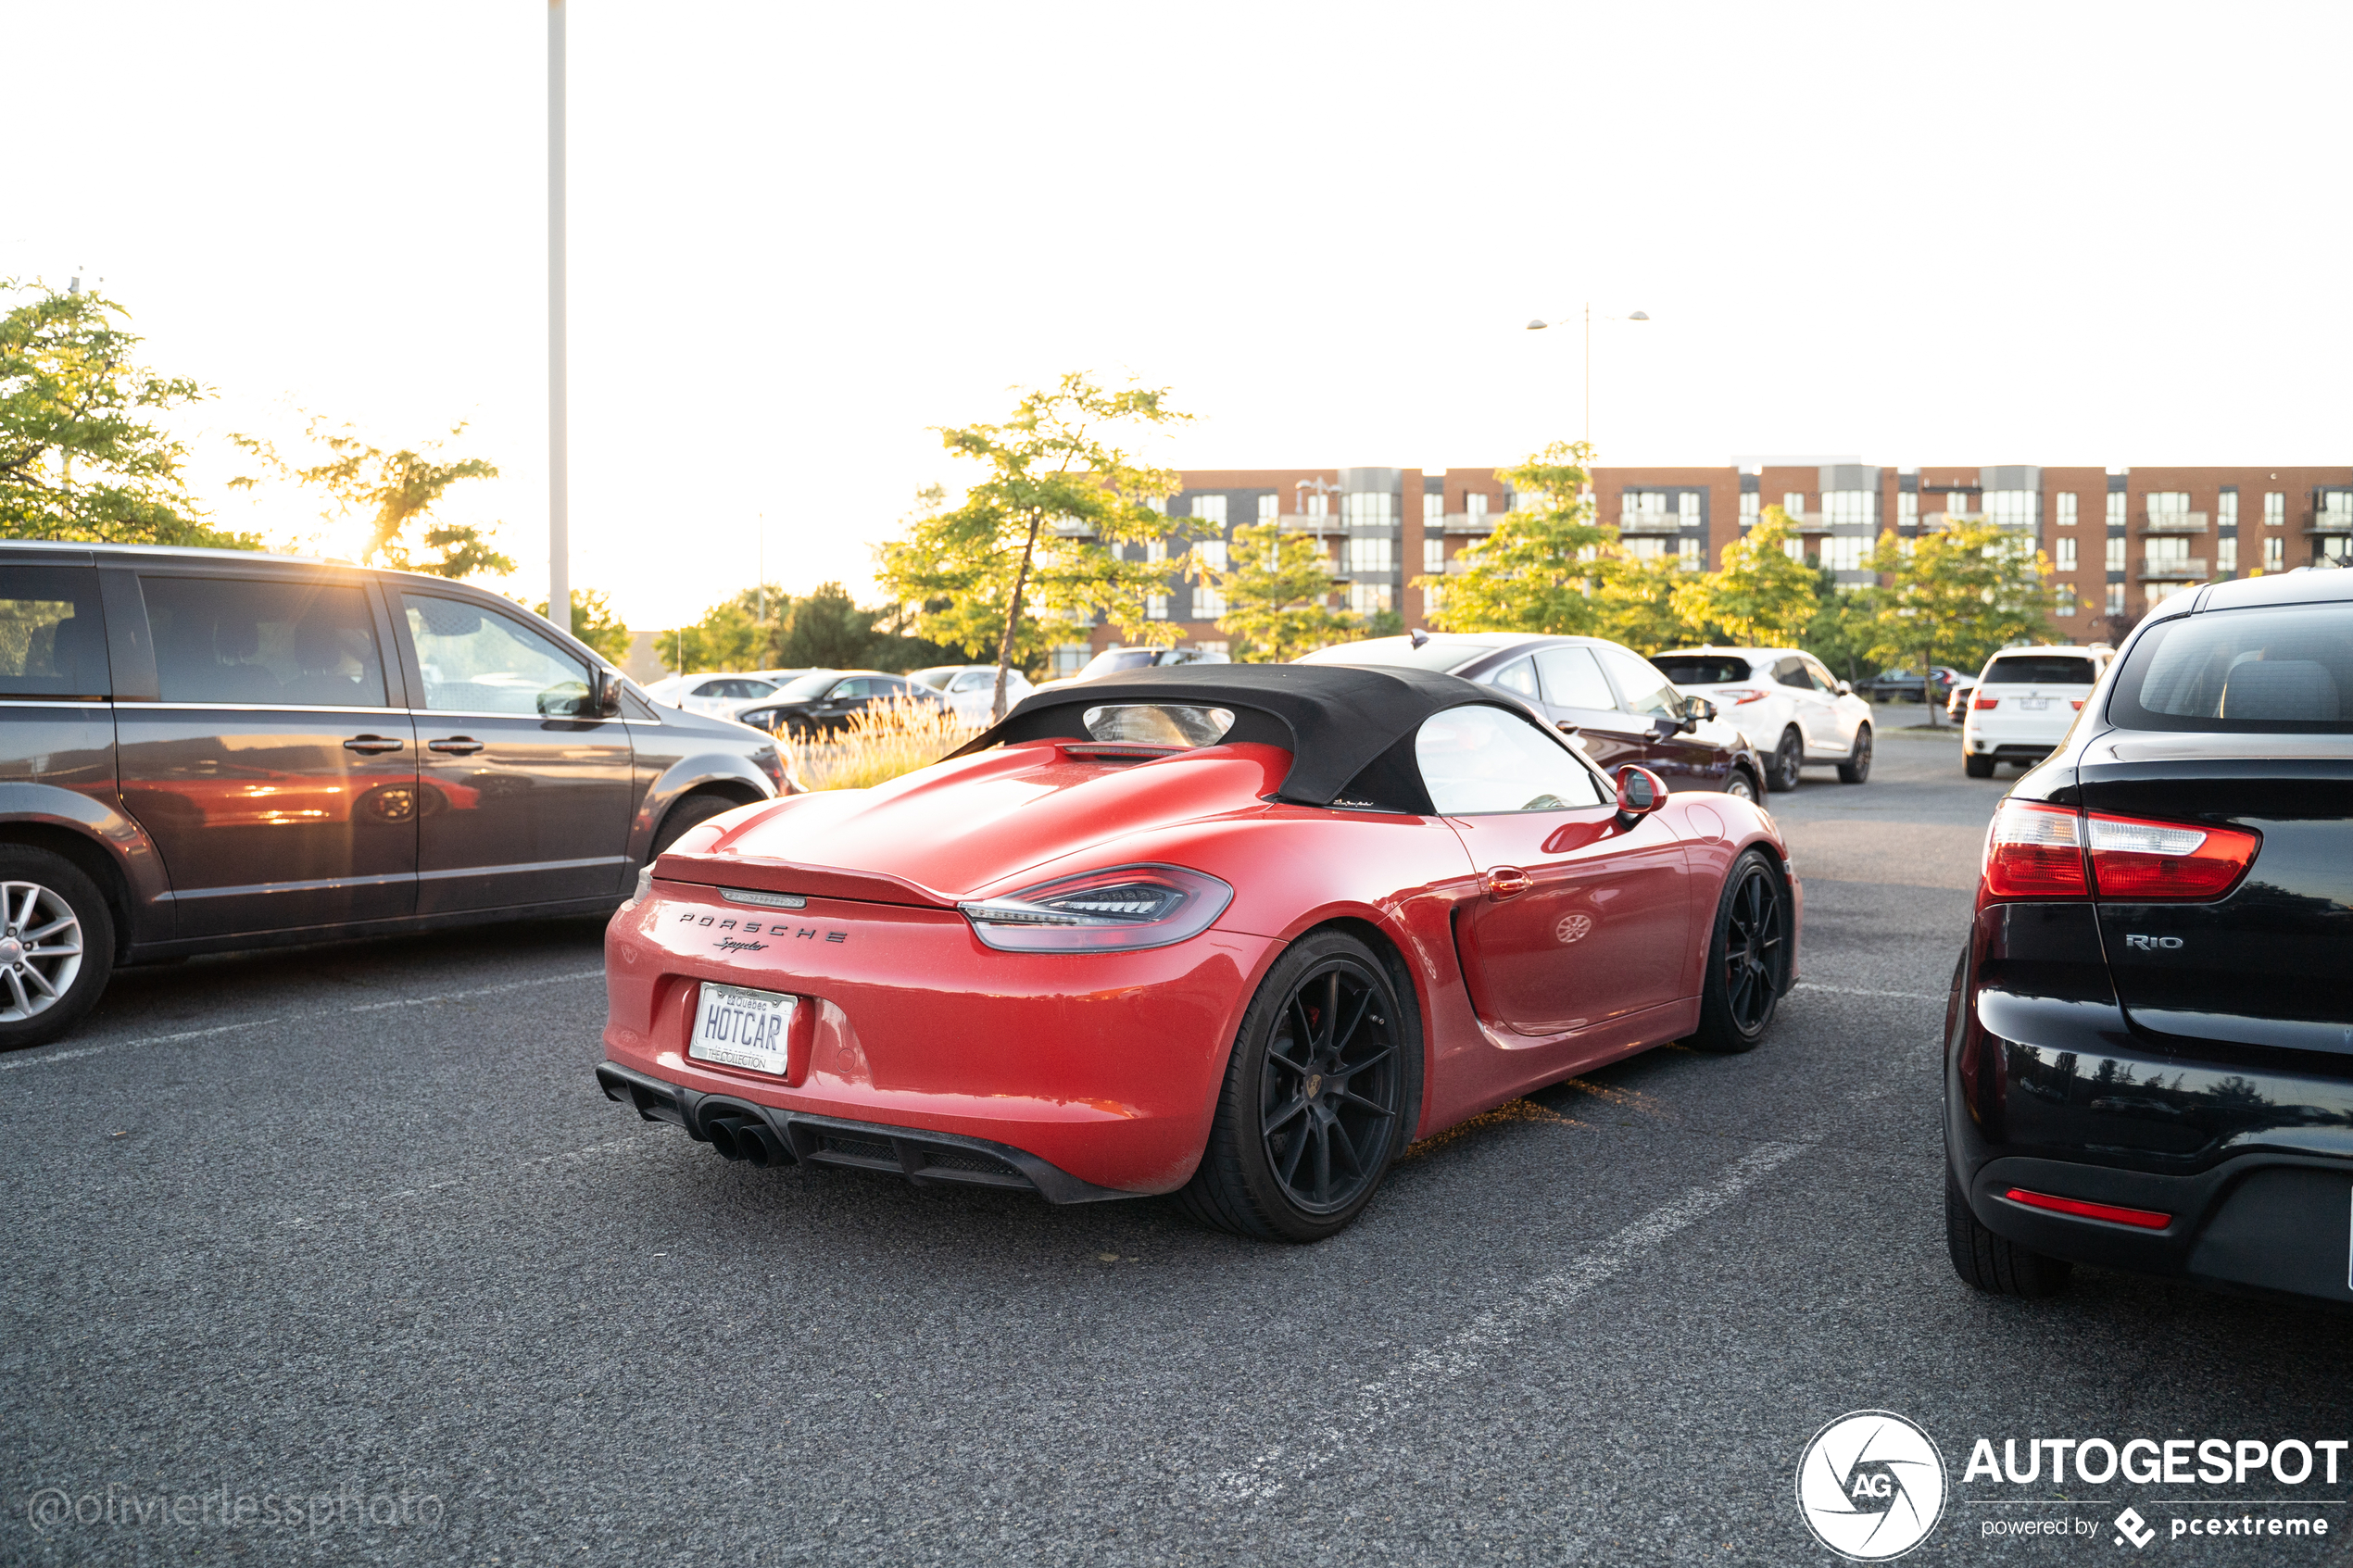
[748, 1138]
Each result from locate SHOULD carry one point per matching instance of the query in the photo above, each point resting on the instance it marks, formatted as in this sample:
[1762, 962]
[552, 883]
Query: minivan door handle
[456, 746]
[373, 745]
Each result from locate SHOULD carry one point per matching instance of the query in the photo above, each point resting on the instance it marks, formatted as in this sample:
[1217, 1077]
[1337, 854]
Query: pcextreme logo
[1870, 1485]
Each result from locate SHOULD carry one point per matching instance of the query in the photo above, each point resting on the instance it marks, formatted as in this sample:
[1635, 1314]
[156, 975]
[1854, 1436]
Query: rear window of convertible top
[1158, 724]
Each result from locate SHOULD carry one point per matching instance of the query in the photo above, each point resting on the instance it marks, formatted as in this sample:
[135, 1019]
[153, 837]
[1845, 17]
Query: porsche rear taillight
[2038, 851]
[1120, 910]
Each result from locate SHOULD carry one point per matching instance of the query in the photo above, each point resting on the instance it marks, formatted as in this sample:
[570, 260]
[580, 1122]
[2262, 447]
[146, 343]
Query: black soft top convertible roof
[1349, 729]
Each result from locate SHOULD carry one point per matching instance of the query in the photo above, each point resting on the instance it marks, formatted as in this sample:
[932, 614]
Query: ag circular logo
[1571, 927]
[1870, 1485]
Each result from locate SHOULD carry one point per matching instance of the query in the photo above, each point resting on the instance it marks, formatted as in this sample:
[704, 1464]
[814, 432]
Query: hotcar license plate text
[742, 1028]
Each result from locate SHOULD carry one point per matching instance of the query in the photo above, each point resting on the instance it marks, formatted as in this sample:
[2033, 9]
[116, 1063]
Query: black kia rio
[2149, 1042]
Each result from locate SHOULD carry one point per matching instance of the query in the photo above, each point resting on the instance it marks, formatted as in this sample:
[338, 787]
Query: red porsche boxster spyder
[1237, 932]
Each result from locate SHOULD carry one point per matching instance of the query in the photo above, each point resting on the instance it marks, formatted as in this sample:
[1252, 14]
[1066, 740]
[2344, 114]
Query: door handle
[1508, 882]
[372, 745]
[456, 746]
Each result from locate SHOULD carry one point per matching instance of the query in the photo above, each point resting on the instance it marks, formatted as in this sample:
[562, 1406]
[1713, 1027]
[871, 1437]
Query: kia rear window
[51, 643]
[2281, 671]
[2040, 670]
[1702, 669]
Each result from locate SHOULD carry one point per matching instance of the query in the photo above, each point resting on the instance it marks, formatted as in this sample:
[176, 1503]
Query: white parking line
[1859, 991]
[11, 1064]
[1492, 1330]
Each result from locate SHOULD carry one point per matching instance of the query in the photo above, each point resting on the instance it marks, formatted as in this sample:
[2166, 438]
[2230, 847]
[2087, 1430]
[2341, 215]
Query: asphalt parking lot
[350, 1234]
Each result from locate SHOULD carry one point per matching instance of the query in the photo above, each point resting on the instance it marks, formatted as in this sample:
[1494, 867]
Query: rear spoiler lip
[766, 876]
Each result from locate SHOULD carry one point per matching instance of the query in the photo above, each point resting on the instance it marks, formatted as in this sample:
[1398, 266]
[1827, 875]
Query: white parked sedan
[971, 689]
[718, 693]
[2025, 701]
[1790, 709]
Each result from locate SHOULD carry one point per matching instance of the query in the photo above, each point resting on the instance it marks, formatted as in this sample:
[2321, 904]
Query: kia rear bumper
[2074, 1135]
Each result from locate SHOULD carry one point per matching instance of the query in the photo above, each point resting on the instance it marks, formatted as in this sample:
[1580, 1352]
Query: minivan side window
[51, 643]
[475, 660]
[283, 642]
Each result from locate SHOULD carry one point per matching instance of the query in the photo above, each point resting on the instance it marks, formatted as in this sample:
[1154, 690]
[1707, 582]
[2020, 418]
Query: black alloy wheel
[1788, 758]
[1748, 958]
[1857, 769]
[1317, 1098]
[1738, 786]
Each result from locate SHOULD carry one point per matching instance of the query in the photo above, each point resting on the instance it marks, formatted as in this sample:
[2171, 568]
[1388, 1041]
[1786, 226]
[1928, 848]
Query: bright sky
[803, 234]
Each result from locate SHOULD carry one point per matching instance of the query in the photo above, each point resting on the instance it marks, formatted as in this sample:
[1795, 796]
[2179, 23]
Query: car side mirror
[1696, 708]
[1640, 792]
[1846, 689]
[604, 695]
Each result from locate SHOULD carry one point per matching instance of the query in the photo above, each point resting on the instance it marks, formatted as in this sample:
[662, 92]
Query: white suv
[2025, 701]
[1793, 710]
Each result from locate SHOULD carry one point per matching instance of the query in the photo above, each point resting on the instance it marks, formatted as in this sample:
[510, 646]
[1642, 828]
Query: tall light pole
[1538, 326]
[559, 465]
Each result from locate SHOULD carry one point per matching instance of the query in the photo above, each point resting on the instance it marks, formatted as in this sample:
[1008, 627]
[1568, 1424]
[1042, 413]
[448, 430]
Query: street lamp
[558, 464]
[1539, 325]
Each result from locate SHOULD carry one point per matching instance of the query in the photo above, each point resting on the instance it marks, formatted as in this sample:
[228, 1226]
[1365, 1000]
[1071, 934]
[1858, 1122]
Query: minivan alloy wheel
[40, 949]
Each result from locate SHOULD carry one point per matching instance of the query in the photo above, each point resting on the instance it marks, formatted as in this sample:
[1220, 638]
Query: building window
[1433, 553]
[2116, 552]
[1210, 509]
[1845, 552]
[2274, 555]
[1371, 555]
[2274, 508]
[2169, 504]
[2116, 598]
[2014, 508]
[1367, 598]
[2116, 520]
[1647, 547]
[1690, 553]
[1851, 506]
[2065, 609]
[1434, 508]
[2226, 510]
[2066, 553]
[1794, 502]
[2160, 592]
[1156, 607]
[2066, 511]
[1529, 501]
[1750, 501]
[1907, 509]
[1475, 505]
[2226, 555]
[1269, 507]
[1366, 509]
[1209, 555]
[1319, 504]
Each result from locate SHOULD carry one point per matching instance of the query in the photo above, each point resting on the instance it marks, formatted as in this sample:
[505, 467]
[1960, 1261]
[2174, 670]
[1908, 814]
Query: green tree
[80, 455]
[1278, 590]
[1539, 570]
[396, 492]
[1039, 538]
[1762, 595]
[1640, 603]
[827, 630]
[1841, 633]
[1957, 595]
[744, 631]
[596, 622]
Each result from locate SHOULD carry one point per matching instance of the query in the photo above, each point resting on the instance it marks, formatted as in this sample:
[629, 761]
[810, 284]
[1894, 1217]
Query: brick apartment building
[2119, 540]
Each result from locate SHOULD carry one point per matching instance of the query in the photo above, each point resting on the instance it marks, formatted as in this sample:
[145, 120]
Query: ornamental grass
[876, 745]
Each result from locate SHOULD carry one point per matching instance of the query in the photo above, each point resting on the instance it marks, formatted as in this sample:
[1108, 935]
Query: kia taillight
[2136, 861]
[1120, 910]
[2034, 850]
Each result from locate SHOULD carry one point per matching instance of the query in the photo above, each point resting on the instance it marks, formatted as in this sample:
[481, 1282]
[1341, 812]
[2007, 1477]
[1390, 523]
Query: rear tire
[687, 814]
[1789, 756]
[1741, 786]
[1324, 1077]
[50, 982]
[1978, 767]
[1994, 1263]
[1748, 959]
[1857, 769]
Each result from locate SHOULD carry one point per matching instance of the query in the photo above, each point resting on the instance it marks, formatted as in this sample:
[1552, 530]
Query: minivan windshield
[2287, 669]
[2040, 670]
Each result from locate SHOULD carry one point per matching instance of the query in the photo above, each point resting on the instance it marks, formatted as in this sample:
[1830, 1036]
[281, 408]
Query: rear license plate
[2034, 703]
[742, 1028]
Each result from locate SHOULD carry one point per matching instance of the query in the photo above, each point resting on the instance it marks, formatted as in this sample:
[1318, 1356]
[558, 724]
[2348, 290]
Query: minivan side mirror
[604, 695]
[1640, 792]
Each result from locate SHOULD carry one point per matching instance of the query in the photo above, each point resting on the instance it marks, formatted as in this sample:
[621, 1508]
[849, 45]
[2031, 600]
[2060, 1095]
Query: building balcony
[1938, 521]
[2177, 522]
[2173, 569]
[1071, 528]
[1312, 523]
[1635, 524]
[2330, 524]
[1470, 522]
